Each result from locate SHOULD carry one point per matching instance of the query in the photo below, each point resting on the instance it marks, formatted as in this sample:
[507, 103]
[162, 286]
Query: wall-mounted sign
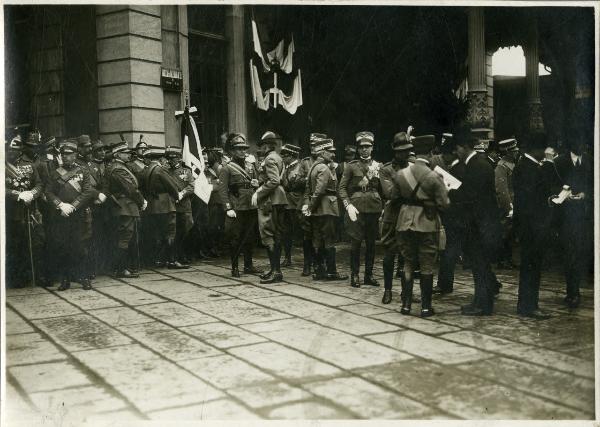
[171, 79]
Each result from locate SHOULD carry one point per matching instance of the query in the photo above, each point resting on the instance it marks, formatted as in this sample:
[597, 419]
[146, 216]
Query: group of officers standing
[78, 192]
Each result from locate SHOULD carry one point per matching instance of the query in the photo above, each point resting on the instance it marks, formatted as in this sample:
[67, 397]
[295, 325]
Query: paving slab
[350, 323]
[429, 347]
[309, 410]
[169, 342]
[88, 300]
[269, 394]
[23, 349]
[121, 316]
[221, 409]
[48, 376]
[149, 382]
[314, 294]
[81, 332]
[225, 371]
[283, 362]
[204, 279]
[248, 292]
[15, 324]
[367, 399]
[130, 295]
[176, 314]
[237, 311]
[199, 295]
[85, 400]
[364, 309]
[222, 335]
[417, 323]
[167, 286]
[40, 306]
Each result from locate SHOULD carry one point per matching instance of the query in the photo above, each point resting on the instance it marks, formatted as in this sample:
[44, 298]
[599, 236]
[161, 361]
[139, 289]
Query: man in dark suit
[531, 217]
[482, 220]
[576, 230]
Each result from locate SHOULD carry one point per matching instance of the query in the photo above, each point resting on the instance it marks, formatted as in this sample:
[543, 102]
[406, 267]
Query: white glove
[102, 197]
[305, 211]
[26, 196]
[66, 209]
[255, 199]
[180, 196]
[254, 183]
[352, 212]
[144, 205]
[231, 213]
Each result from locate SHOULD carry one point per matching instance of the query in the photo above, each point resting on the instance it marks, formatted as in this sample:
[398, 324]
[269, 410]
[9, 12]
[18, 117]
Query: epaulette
[387, 164]
[353, 161]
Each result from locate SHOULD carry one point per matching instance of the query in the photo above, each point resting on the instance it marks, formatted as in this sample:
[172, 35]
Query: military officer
[505, 196]
[418, 227]
[270, 199]
[308, 250]
[401, 146]
[360, 192]
[126, 202]
[70, 192]
[184, 179]
[320, 204]
[294, 185]
[216, 215]
[162, 194]
[23, 187]
[238, 180]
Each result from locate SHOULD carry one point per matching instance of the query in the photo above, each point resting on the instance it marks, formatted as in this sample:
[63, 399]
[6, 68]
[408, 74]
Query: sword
[30, 246]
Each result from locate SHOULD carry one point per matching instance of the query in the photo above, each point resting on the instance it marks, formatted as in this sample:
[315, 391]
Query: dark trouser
[164, 228]
[323, 232]
[533, 245]
[575, 235]
[449, 257]
[127, 242]
[18, 263]
[86, 237]
[70, 246]
[389, 256]
[214, 227]
[291, 225]
[484, 278]
[184, 223]
[102, 236]
[366, 228]
[241, 232]
[507, 242]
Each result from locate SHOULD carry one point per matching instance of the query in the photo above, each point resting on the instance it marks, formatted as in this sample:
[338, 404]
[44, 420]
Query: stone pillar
[478, 114]
[236, 69]
[129, 53]
[534, 103]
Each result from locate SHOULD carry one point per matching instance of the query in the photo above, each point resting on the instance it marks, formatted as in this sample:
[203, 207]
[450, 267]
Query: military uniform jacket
[160, 188]
[212, 177]
[321, 194]
[391, 196]
[271, 172]
[182, 175]
[122, 186]
[20, 176]
[93, 169]
[420, 211]
[234, 185]
[71, 186]
[504, 185]
[294, 184]
[364, 198]
[531, 208]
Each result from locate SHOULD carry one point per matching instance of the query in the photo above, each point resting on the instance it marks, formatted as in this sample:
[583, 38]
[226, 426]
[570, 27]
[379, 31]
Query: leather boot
[248, 265]
[320, 272]
[173, 264]
[235, 271]
[355, 264]
[406, 296]
[307, 253]
[388, 277]
[426, 283]
[275, 275]
[121, 270]
[332, 273]
[65, 284]
[287, 250]
[369, 262]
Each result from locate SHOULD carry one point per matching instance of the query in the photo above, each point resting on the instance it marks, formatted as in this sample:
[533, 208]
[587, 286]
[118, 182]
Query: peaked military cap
[401, 142]
[33, 139]
[16, 143]
[120, 147]
[98, 145]
[238, 140]
[482, 146]
[269, 136]
[290, 149]
[317, 137]
[365, 138]
[507, 145]
[68, 146]
[324, 145]
[154, 152]
[423, 144]
[350, 149]
[172, 151]
[84, 141]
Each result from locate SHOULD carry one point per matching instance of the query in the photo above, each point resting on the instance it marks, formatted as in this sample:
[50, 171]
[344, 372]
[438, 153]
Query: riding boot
[269, 274]
[287, 250]
[173, 264]
[369, 262]
[332, 273]
[426, 283]
[388, 277]
[406, 296]
[307, 251]
[248, 264]
[121, 270]
[355, 264]
[275, 275]
[235, 271]
[320, 272]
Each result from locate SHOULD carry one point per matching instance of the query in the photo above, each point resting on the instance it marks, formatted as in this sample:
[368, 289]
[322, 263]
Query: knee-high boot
[307, 252]
[426, 283]
[388, 276]
[355, 264]
[407, 290]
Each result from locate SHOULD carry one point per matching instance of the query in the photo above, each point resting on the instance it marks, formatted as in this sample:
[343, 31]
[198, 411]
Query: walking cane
[30, 246]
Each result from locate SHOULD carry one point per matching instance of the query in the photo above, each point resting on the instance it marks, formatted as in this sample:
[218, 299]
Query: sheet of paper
[449, 180]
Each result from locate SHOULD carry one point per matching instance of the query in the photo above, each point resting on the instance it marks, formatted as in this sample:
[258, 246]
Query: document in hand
[449, 180]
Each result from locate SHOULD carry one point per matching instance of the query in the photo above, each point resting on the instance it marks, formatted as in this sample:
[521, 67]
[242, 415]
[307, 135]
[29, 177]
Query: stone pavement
[197, 344]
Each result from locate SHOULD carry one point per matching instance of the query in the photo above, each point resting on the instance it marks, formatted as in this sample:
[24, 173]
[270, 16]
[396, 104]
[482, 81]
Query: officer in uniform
[182, 175]
[532, 220]
[360, 193]
[505, 196]
[23, 187]
[101, 229]
[294, 185]
[238, 180]
[320, 204]
[216, 215]
[271, 201]
[401, 146]
[70, 192]
[423, 195]
[126, 202]
[162, 193]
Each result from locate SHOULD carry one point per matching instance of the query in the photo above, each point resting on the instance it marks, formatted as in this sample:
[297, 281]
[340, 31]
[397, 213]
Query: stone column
[236, 69]
[534, 103]
[478, 114]
[129, 53]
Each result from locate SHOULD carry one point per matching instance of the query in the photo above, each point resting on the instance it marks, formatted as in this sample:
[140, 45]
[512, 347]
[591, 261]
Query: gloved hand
[254, 200]
[26, 196]
[102, 197]
[66, 209]
[305, 211]
[144, 205]
[231, 213]
[352, 212]
[254, 183]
